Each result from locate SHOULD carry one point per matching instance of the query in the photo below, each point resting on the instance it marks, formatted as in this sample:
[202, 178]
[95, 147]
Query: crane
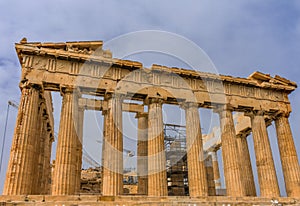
[15, 105]
[85, 156]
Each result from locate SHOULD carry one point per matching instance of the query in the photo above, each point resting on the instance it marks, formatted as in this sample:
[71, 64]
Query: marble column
[47, 160]
[38, 152]
[39, 182]
[288, 155]
[65, 163]
[230, 154]
[246, 166]
[112, 172]
[103, 155]
[43, 156]
[19, 176]
[142, 152]
[157, 175]
[264, 159]
[79, 149]
[210, 176]
[216, 173]
[195, 161]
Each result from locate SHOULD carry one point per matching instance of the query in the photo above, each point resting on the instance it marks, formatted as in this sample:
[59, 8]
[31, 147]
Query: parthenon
[78, 70]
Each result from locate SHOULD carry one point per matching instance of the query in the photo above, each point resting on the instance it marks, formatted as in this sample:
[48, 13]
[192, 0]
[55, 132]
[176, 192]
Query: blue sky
[240, 36]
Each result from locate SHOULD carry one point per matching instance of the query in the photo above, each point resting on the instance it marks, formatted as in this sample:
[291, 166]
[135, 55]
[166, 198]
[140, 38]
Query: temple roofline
[92, 51]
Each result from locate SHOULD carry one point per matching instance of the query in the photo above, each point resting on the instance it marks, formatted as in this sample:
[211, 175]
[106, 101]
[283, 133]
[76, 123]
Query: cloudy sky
[239, 36]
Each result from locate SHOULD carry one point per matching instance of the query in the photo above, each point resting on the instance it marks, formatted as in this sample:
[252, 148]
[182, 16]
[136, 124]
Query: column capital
[186, 105]
[255, 113]
[152, 100]
[281, 114]
[222, 107]
[108, 96]
[141, 114]
[28, 85]
[69, 90]
[108, 101]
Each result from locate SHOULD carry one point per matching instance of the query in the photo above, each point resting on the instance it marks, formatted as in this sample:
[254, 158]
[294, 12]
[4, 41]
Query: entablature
[53, 65]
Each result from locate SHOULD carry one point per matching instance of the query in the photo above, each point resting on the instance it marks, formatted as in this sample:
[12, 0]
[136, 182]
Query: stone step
[85, 200]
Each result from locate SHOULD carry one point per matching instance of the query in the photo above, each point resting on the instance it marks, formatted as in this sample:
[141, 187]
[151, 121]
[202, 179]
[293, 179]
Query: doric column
[39, 152]
[157, 175]
[195, 161]
[112, 172]
[216, 173]
[142, 152]
[288, 155]
[103, 155]
[47, 160]
[246, 166]
[264, 159]
[231, 160]
[44, 150]
[19, 176]
[40, 181]
[65, 163]
[210, 176]
[79, 149]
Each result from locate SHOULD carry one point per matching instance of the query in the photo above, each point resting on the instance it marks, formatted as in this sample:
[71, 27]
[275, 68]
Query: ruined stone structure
[90, 181]
[78, 69]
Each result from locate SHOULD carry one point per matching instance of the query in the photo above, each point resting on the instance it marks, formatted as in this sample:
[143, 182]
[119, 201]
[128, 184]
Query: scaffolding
[175, 144]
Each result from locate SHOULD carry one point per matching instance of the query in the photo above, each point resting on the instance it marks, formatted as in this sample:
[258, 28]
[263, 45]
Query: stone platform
[85, 200]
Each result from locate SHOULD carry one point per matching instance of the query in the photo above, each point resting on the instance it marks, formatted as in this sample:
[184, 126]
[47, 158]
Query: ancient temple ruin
[76, 69]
